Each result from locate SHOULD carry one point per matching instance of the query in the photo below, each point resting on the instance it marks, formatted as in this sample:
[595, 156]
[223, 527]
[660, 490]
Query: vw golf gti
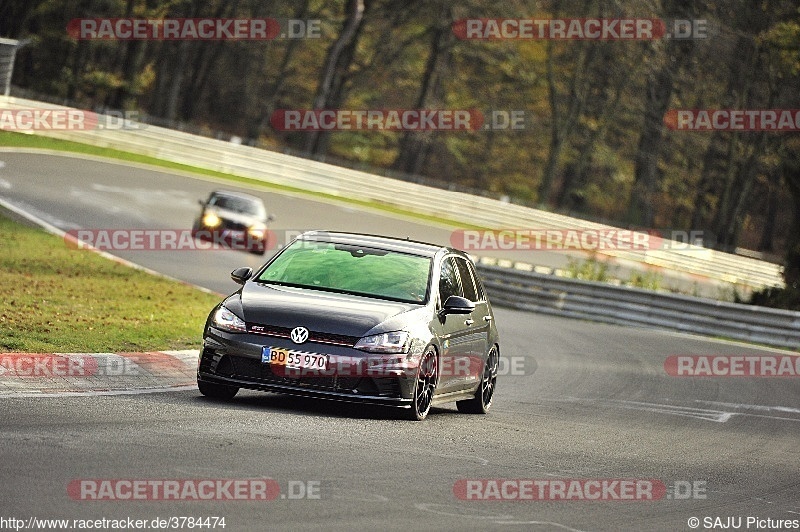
[356, 318]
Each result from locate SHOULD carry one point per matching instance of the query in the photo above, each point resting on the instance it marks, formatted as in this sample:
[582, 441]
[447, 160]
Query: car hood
[320, 311]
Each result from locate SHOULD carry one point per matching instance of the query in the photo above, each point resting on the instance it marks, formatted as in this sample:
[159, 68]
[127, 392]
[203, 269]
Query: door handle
[469, 322]
[487, 318]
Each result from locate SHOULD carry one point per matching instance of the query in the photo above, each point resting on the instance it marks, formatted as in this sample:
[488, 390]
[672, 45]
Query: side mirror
[240, 275]
[271, 217]
[457, 305]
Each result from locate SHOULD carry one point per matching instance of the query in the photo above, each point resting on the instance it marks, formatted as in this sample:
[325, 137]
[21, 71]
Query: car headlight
[257, 231]
[391, 342]
[228, 321]
[211, 220]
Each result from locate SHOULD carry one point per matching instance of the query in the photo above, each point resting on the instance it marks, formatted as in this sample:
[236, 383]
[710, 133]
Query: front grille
[383, 386]
[224, 367]
[252, 369]
[234, 226]
[213, 362]
[313, 336]
[247, 368]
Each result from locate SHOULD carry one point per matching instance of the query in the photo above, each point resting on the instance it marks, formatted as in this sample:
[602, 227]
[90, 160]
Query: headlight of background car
[392, 342]
[211, 220]
[257, 231]
[228, 321]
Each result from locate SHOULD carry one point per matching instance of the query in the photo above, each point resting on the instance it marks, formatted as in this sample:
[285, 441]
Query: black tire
[425, 386]
[482, 401]
[217, 391]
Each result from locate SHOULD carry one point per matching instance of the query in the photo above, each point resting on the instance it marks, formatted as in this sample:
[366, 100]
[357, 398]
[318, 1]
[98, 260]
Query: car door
[481, 318]
[454, 331]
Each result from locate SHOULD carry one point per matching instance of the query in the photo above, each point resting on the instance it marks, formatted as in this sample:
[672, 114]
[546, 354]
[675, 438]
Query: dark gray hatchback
[356, 318]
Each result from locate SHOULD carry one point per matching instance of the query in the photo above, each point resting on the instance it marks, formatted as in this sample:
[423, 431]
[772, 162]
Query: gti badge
[299, 335]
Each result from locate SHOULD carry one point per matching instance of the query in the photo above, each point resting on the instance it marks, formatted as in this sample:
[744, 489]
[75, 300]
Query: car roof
[376, 241]
[240, 195]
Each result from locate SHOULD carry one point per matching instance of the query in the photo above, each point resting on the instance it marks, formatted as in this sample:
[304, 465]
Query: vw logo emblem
[299, 335]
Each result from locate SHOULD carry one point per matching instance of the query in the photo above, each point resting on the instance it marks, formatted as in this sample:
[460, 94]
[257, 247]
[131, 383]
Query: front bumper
[235, 360]
[234, 239]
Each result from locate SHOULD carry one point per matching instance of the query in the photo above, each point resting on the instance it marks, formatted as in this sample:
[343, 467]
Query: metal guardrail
[8, 51]
[601, 302]
[273, 167]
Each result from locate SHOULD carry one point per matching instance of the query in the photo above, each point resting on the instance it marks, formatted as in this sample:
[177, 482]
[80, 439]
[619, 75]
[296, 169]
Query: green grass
[21, 140]
[590, 269]
[57, 299]
[646, 280]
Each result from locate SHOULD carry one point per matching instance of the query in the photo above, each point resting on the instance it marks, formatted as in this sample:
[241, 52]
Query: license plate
[291, 359]
[233, 234]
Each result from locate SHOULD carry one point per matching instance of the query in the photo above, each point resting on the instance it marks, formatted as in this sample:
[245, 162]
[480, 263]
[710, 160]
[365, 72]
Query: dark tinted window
[235, 204]
[448, 281]
[467, 281]
[478, 284]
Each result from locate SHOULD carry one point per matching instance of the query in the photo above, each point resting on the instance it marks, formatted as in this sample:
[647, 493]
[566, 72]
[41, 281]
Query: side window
[479, 286]
[467, 281]
[478, 282]
[448, 281]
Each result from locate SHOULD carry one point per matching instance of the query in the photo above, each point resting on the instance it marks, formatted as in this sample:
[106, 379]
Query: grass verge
[57, 299]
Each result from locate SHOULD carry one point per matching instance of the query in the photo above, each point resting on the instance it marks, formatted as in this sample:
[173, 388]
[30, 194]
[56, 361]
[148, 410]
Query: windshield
[240, 205]
[351, 269]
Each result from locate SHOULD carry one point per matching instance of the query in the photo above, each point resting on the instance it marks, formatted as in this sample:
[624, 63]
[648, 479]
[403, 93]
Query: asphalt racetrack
[591, 411]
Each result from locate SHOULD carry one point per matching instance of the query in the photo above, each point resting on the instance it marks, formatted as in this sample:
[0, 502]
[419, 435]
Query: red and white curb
[87, 374]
